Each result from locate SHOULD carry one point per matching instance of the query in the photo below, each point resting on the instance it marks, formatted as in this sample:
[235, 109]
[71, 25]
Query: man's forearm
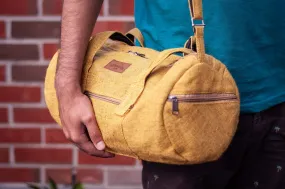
[78, 19]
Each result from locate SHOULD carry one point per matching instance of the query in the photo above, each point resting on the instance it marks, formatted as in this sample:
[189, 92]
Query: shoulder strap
[196, 10]
[195, 7]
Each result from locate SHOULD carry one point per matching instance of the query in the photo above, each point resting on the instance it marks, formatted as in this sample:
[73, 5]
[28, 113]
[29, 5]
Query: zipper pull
[140, 54]
[175, 110]
[137, 54]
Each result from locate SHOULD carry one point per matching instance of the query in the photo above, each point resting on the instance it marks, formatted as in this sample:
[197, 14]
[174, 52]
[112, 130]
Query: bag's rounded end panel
[49, 89]
[202, 116]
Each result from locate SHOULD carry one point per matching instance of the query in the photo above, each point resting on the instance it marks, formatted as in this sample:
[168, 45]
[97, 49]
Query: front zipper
[137, 54]
[175, 99]
[102, 97]
[110, 49]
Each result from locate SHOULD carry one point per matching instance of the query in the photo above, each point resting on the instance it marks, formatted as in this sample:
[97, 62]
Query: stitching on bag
[163, 124]
[184, 159]
[126, 140]
[200, 114]
[117, 66]
[164, 120]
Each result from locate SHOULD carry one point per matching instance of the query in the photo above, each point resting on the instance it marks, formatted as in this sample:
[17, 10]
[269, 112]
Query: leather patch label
[117, 66]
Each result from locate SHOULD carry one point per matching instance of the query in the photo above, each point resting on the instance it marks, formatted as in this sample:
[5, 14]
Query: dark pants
[255, 159]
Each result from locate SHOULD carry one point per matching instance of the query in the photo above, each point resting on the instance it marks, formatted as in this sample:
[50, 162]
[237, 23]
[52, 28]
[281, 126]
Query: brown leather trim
[117, 66]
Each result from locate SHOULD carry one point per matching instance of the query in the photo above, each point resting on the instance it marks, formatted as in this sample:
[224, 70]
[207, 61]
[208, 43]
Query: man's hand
[79, 122]
[76, 112]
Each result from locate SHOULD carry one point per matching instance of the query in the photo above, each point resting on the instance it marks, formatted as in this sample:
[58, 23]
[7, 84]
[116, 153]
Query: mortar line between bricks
[75, 157]
[89, 186]
[29, 41]
[39, 7]
[106, 167]
[28, 63]
[105, 177]
[5, 62]
[37, 166]
[11, 155]
[86, 186]
[43, 136]
[64, 166]
[137, 163]
[35, 18]
[25, 63]
[42, 95]
[8, 74]
[42, 175]
[41, 52]
[4, 105]
[25, 105]
[29, 126]
[23, 84]
[17, 126]
[8, 29]
[12, 185]
[58, 18]
[93, 186]
[31, 63]
[10, 115]
[33, 145]
[106, 8]
[5, 126]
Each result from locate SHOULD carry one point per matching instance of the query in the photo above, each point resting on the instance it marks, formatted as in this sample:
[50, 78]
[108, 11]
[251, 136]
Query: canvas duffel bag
[157, 106]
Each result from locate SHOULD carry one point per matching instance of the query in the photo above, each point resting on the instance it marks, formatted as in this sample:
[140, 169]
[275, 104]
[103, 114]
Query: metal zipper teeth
[109, 49]
[175, 99]
[104, 98]
[202, 97]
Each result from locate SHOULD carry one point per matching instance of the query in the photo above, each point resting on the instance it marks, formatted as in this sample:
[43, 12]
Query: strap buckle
[197, 22]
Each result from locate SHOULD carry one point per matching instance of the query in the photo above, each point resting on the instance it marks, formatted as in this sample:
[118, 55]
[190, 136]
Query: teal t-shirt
[247, 36]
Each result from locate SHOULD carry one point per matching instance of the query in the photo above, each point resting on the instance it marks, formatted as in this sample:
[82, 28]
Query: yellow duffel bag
[157, 106]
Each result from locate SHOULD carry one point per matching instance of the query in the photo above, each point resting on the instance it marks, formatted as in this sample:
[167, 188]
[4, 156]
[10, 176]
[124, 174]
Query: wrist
[67, 86]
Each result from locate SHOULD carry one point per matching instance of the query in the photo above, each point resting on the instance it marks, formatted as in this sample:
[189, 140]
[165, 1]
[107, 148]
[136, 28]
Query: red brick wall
[32, 147]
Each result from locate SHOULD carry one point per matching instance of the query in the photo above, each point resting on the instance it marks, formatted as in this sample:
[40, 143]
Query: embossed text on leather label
[117, 66]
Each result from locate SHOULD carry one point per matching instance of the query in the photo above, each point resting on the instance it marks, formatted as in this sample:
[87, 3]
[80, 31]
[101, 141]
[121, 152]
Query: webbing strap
[196, 11]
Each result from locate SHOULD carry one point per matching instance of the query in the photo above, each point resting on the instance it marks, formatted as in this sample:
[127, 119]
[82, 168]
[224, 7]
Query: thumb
[94, 132]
